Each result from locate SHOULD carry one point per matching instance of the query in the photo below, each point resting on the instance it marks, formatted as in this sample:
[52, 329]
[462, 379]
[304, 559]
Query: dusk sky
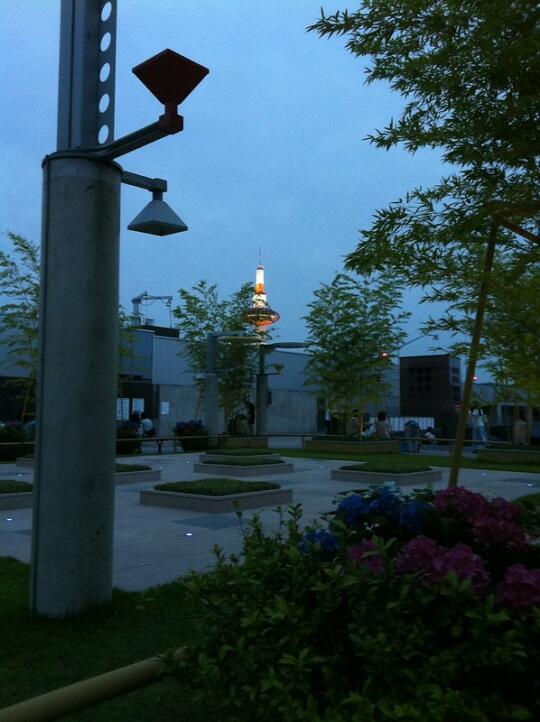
[272, 154]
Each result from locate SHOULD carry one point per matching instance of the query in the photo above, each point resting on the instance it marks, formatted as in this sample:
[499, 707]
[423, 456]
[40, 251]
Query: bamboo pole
[75, 697]
[473, 356]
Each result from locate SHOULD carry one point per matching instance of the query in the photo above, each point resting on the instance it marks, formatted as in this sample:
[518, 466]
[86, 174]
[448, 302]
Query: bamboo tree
[19, 317]
[353, 328]
[469, 74]
[200, 313]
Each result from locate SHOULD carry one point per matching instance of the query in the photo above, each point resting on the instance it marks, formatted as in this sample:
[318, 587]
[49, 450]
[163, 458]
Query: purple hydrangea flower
[520, 587]
[363, 555]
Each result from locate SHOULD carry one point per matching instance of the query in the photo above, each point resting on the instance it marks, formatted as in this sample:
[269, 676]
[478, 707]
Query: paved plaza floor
[154, 545]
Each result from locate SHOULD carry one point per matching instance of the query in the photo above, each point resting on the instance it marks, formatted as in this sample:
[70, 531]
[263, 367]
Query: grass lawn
[41, 655]
[410, 460]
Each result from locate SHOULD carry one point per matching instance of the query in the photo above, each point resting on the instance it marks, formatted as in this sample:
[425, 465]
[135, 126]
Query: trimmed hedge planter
[224, 495]
[125, 474]
[15, 495]
[239, 466]
[385, 446]
[375, 474]
[131, 477]
[243, 455]
[242, 442]
[509, 456]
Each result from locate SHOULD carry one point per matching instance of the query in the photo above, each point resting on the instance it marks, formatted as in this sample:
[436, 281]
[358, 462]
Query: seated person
[429, 435]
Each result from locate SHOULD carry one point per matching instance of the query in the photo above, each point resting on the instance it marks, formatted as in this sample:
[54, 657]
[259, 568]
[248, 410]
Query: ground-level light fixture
[260, 314]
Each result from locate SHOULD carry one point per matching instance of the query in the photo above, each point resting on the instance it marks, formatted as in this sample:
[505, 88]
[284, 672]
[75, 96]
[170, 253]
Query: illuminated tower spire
[260, 313]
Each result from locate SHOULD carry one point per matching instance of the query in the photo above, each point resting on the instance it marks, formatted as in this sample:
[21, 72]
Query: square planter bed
[258, 494]
[373, 474]
[15, 495]
[244, 469]
[127, 476]
[130, 477]
[385, 446]
[243, 455]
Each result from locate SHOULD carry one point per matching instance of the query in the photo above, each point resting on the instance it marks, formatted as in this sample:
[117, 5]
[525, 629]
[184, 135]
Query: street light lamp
[72, 535]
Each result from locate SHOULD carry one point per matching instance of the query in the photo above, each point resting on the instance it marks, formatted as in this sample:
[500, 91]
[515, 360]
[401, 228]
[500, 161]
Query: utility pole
[72, 538]
[75, 441]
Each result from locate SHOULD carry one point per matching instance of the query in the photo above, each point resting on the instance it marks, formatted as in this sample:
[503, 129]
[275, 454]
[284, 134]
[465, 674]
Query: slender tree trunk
[473, 356]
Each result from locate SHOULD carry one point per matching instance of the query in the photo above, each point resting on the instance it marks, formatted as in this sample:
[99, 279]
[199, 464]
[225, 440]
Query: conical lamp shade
[159, 219]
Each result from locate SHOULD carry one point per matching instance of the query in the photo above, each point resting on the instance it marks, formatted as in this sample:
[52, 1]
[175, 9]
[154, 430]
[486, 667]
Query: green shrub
[127, 442]
[243, 462]
[216, 487]
[131, 467]
[12, 442]
[10, 486]
[302, 628]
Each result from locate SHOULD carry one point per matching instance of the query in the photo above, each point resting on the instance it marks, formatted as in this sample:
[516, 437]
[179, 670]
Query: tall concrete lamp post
[261, 385]
[72, 535]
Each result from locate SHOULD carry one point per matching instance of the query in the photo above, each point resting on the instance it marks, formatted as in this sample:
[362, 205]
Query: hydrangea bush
[395, 606]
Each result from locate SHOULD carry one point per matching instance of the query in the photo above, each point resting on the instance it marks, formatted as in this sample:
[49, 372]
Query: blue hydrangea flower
[329, 543]
[386, 504]
[352, 508]
[411, 516]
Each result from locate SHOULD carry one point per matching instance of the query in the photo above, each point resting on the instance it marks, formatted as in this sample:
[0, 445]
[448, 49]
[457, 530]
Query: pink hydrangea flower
[467, 503]
[465, 564]
[489, 530]
[359, 553]
[491, 522]
[520, 587]
[504, 510]
[418, 557]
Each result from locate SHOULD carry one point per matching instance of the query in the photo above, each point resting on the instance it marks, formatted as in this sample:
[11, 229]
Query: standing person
[147, 425]
[519, 431]
[352, 428]
[250, 414]
[382, 426]
[135, 423]
[328, 421]
[429, 435]
[478, 424]
[412, 434]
